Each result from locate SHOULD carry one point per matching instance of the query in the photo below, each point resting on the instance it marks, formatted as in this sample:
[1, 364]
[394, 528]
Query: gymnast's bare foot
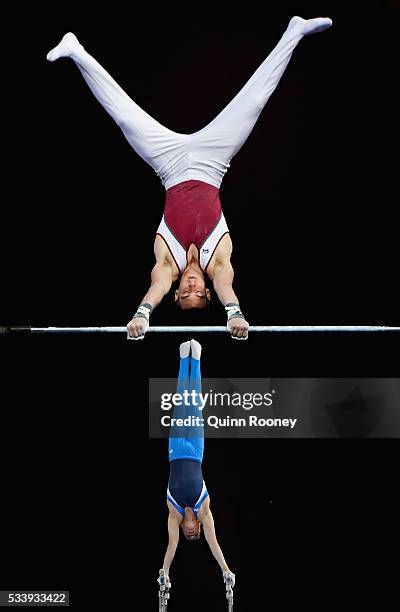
[65, 47]
[310, 26]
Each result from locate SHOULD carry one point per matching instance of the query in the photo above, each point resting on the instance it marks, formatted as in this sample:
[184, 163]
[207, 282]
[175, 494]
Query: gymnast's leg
[184, 365]
[221, 139]
[187, 441]
[151, 140]
[197, 432]
[177, 447]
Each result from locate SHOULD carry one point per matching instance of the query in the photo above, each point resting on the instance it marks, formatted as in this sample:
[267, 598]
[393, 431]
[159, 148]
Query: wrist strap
[144, 310]
[233, 310]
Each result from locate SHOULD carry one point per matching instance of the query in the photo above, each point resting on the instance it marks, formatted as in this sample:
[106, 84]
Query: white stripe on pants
[204, 155]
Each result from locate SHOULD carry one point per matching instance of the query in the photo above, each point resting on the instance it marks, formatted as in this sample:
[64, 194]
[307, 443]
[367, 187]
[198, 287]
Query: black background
[310, 202]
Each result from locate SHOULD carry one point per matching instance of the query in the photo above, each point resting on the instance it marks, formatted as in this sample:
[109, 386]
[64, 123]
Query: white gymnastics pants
[204, 155]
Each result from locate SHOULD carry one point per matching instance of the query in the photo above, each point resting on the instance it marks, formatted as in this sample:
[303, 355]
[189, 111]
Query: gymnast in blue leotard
[186, 486]
[187, 496]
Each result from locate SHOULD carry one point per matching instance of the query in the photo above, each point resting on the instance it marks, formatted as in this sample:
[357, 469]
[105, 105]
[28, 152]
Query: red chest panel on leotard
[192, 210]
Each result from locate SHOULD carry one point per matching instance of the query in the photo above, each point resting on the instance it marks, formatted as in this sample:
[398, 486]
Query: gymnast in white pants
[193, 237]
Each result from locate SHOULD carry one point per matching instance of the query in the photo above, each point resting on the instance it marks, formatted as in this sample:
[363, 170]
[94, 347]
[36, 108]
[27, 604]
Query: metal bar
[202, 329]
[220, 328]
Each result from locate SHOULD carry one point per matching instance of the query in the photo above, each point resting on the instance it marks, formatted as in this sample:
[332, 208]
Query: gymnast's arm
[209, 533]
[161, 283]
[222, 277]
[173, 539]
[162, 277]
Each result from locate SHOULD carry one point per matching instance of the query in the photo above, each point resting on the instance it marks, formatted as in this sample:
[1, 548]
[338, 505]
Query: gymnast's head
[190, 526]
[192, 291]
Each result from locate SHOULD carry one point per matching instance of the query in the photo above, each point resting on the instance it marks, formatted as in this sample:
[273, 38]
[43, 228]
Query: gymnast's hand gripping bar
[229, 584]
[202, 329]
[163, 593]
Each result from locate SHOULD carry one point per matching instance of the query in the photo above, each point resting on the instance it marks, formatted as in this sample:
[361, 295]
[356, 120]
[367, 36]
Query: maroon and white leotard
[192, 215]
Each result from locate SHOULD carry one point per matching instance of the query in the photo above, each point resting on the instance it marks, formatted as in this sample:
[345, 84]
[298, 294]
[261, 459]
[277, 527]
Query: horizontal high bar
[205, 329]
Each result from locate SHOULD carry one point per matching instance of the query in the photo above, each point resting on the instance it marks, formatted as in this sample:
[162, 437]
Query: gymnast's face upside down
[191, 527]
[192, 292]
